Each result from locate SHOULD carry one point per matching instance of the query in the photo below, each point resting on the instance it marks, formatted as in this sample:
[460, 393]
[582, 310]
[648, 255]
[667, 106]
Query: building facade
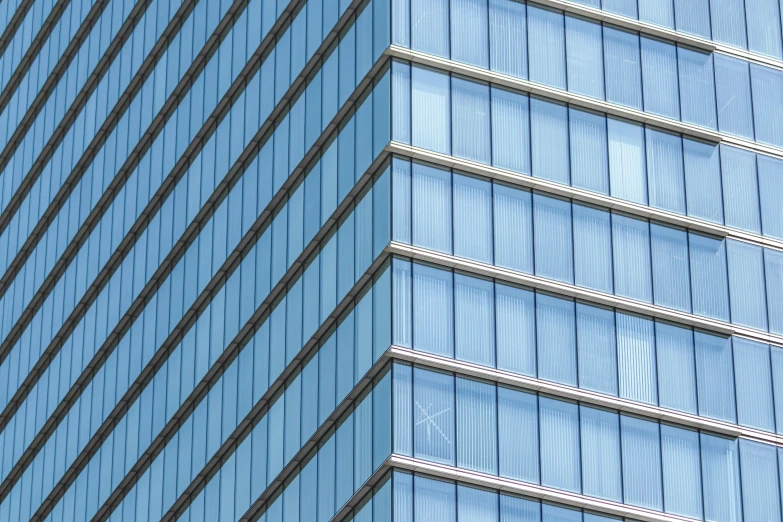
[391, 260]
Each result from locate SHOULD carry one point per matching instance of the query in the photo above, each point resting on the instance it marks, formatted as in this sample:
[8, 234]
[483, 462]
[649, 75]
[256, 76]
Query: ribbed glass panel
[659, 72]
[470, 115]
[553, 513]
[641, 462]
[763, 20]
[732, 85]
[703, 180]
[623, 74]
[469, 32]
[559, 442]
[636, 358]
[474, 328]
[623, 7]
[715, 376]
[403, 497]
[473, 218]
[588, 146]
[431, 107]
[546, 51]
[510, 130]
[585, 59]
[681, 471]
[770, 172]
[728, 22]
[595, 333]
[592, 248]
[627, 177]
[432, 210]
[508, 37]
[767, 85]
[759, 472]
[720, 472]
[401, 102]
[665, 171]
[709, 277]
[476, 410]
[513, 224]
[433, 416]
[433, 298]
[773, 270]
[693, 16]
[740, 191]
[402, 379]
[670, 266]
[401, 200]
[697, 85]
[600, 432]
[676, 367]
[776, 354]
[430, 27]
[658, 12]
[516, 509]
[746, 284]
[754, 384]
[516, 330]
[477, 505]
[553, 242]
[556, 334]
[549, 140]
[518, 420]
[434, 501]
[631, 253]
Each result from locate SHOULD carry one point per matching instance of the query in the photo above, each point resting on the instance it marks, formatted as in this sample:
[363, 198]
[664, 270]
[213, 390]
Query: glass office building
[391, 260]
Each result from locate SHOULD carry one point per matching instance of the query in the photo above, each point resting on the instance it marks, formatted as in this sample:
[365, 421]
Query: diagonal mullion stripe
[13, 24]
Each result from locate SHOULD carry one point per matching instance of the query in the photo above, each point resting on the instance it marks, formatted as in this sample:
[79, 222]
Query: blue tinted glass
[773, 269]
[746, 284]
[728, 22]
[431, 208]
[433, 407]
[681, 471]
[552, 513]
[546, 51]
[560, 461]
[518, 420]
[476, 426]
[754, 384]
[516, 329]
[510, 131]
[553, 246]
[516, 509]
[474, 320]
[760, 493]
[763, 19]
[549, 140]
[508, 37]
[709, 277]
[641, 462]
[636, 358]
[433, 299]
[431, 109]
[740, 192]
[697, 92]
[556, 335]
[665, 171]
[703, 180]
[631, 252]
[513, 224]
[434, 500]
[588, 150]
[732, 83]
[770, 172]
[676, 367]
[693, 16]
[470, 120]
[720, 472]
[659, 71]
[671, 277]
[592, 248]
[469, 32]
[584, 57]
[472, 218]
[623, 74]
[623, 7]
[658, 12]
[430, 27]
[767, 86]
[595, 333]
[715, 376]
[401, 102]
[627, 161]
[600, 431]
[477, 505]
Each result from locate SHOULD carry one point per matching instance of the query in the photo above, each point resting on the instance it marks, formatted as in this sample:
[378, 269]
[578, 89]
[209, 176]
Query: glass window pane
[671, 278]
[508, 37]
[771, 195]
[703, 180]
[513, 223]
[626, 161]
[469, 36]
[401, 102]
[641, 463]
[715, 376]
[659, 71]
[720, 472]
[431, 108]
[431, 208]
[623, 75]
[470, 110]
[549, 140]
[473, 218]
[676, 367]
[434, 499]
[477, 505]
[476, 426]
[767, 86]
[518, 420]
[516, 509]
[709, 278]
[732, 81]
[559, 444]
[754, 384]
[474, 310]
[430, 27]
[589, 151]
[516, 330]
[433, 416]
[740, 192]
[777, 380]
[402, 389]
[631, 241]
[556, 339]
[592, 248]
[553, 246]
[773, 269]
[597, 349]
[510, 130]
[693, 16]
[636, 358]
[585, 59]
[658, 12]
[763, 18]
[622, 7]
[760, 493]
[600, 431]
[746, 284]
[546, 46]
[697, 84]
[728, 22]
[433, 297]
[665, 171]
[552, 513]
[681, 471]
